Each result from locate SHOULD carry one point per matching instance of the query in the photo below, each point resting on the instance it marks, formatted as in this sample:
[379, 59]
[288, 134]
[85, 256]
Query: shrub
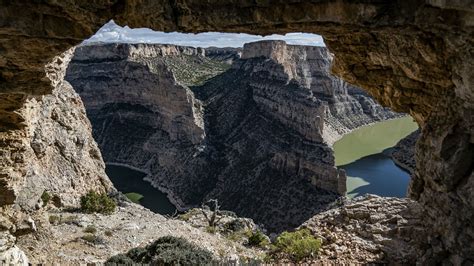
[258, 239]
[54, 219]
[211, 230]
[137, 254]
[166, 250]
[235, 225]
[45, 197]
[93, 239]
[71, 219]
[93, 202]
[108, 233]
[298, 245]
[120, 259]
[90, 229]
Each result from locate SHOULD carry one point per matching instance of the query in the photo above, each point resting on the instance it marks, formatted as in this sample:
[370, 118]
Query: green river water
[365, 155]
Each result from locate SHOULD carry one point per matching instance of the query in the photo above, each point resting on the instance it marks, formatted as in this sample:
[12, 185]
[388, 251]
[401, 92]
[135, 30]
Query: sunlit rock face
[342, 107]
[56, 152]
[414, 56]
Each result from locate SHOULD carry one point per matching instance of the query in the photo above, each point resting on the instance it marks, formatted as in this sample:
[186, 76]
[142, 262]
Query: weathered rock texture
[143, 113]
[415, 56]
[370, 229]
[403, 154]
[343, 107]
[59, 239]
[55, 151]
[10, 254]
[256, 139]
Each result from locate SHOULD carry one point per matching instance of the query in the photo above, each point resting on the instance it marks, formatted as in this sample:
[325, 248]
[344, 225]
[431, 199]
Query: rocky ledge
[370, 230]
[61, 236]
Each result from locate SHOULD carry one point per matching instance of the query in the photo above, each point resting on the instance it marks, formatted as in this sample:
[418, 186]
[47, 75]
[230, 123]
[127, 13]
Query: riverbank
[404, 152]
[147, 189]
[365, 155]
[372, 139]
[334, 136]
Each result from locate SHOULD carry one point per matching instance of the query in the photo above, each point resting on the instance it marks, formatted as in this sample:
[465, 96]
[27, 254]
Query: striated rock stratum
[255, 134]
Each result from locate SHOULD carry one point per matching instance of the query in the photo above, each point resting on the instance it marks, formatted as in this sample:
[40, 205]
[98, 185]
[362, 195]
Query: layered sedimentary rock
[256, 138]
[415, 56]
[343, 107]
[142, 115]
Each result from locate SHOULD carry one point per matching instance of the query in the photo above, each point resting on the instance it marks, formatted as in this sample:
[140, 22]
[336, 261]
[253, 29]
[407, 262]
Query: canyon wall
[415, 56]
[55, 152]
[346, 107]
[403, 153]
[256, 137]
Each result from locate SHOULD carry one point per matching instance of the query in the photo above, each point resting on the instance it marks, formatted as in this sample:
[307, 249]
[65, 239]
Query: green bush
[211, 229]
[93, 239]
[45, 197]
[120, 259]
[54, 219]
[90, 229]
[257, 239]
[235, 225]
[93, 202]
[166, 250]
[108, 233]
[298, 245]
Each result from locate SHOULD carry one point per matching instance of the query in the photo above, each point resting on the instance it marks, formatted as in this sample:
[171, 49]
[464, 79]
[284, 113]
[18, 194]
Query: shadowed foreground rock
[403, 153]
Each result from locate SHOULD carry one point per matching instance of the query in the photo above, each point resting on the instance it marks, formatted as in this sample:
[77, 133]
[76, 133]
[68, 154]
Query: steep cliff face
[343, 107]
[273, 138]
[256, 138]
[55, 149]
[53, 152]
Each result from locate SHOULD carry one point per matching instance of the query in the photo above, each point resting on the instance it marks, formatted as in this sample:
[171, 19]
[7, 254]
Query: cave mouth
[187, 119]
[414, 56]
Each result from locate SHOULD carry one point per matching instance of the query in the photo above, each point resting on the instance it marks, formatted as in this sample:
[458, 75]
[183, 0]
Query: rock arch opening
[415, 57]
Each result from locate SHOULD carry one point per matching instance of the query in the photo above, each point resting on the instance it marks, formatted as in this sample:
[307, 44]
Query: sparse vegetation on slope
[297, 245]
[166, 250]
[45, 197]
[258, 239]
[94, 202]
[194, 70]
